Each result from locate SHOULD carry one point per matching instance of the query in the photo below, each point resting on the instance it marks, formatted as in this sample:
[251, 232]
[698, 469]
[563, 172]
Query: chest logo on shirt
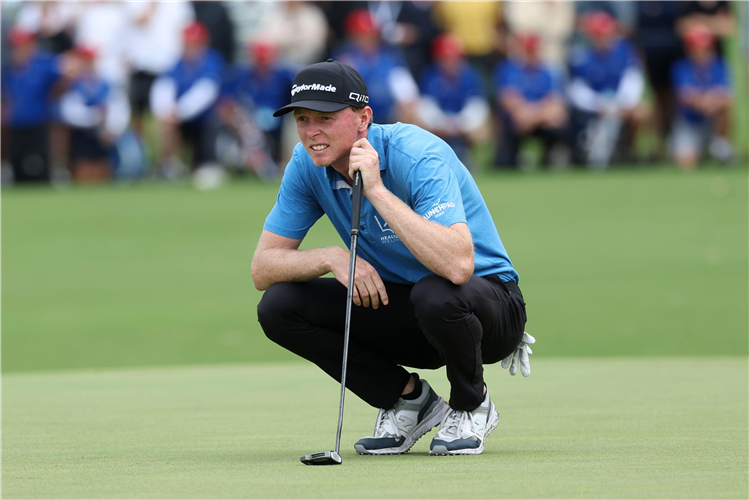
[438, 209]
[388, 235]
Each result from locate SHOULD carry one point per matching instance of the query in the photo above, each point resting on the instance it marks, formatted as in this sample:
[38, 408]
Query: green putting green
[576, 428]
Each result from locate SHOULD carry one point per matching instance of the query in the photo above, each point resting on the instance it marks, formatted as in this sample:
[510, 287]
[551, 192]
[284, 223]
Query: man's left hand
[365, 159]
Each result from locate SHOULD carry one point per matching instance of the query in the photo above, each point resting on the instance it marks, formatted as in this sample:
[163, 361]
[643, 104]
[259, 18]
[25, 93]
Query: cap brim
[321, 106]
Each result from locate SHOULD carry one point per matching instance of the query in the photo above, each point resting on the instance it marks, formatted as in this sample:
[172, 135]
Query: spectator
[411, 27]
[553, 22]
[704, 100]
[393, 93]
[152, 24]
[29, 84]
[182, 101]
[660, 46]
[714, 15]
[605, 91]
[97, 114]
[53, 23]
[453, 104]
[299, 30]
[215, 17]
[479, 26]
[530, 101]
[103, 26]
[252, 96]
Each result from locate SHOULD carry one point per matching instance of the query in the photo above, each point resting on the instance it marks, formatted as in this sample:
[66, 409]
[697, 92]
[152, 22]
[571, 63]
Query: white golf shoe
[464, 432]
[397, 429]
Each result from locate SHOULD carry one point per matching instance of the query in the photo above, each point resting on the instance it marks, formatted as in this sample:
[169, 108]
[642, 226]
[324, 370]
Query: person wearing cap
[33, 79]
[393, 90]
[703, 93]
[249, 98]
[183, 100]
[453, 104]
[605, 90]
[434, 285]
[530, 102]
[97, 114]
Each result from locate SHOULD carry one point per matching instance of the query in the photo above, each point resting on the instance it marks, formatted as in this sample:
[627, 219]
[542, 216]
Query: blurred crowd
[93, 91]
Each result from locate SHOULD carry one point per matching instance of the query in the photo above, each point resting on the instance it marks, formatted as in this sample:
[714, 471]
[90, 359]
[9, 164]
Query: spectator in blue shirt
[529, 96]
[28, 85]
[183, 100]
[453, 105]
[97, 115]
[605, 90]
[249, 99]
[392, 90]
[704, 100]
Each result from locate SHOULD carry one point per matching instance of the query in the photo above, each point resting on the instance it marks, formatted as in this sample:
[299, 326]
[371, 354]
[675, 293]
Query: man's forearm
[446, 251]
[282, 264]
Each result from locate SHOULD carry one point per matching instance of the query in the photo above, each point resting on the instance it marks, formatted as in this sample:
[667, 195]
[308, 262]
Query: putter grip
[356, 204]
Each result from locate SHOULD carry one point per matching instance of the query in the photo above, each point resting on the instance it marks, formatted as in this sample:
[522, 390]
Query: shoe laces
[458, 424]
[386, 425]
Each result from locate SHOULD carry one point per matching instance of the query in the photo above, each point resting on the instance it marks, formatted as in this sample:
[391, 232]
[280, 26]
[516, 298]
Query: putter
[332, 457]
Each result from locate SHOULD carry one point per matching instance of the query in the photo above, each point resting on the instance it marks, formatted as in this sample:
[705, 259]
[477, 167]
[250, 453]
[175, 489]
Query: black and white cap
[327, 87]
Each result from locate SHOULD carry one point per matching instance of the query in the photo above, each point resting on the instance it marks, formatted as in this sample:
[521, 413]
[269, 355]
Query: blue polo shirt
[417, 167]
[602, 70]
[186, 73]
[688, 77]
[27, 89]
[451, 91]
[534, 83]
[261, 92]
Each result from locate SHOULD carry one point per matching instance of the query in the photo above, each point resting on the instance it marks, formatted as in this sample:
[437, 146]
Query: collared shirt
[28, 89]
[451, 92]
[534, 83]
[603, 70]
[417, 167]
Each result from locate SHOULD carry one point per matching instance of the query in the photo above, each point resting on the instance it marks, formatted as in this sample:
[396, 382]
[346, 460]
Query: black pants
[510, 141]
[430, 324]
[29, 153]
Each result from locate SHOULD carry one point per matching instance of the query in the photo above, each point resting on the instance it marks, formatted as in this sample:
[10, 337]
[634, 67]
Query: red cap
[196, 33]
[698, 36]
[447, 46]
[360, 22]
[85, 52]
[263, 51]
[528, 43]
[599, 24]
[20, 36]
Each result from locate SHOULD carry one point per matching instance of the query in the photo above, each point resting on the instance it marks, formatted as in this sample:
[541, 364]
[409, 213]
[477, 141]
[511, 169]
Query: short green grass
[629, 262]
[576, 428]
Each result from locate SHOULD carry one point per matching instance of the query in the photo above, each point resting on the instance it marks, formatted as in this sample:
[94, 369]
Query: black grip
[356, 203]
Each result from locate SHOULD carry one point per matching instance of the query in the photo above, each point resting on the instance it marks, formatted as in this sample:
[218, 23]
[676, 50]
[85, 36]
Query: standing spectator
[152, 24]
[530, 101]
[410, 26]
[393, 93]
[97, 114]
[299, 30]
[28, 87]
[53, 23]
[251, 98]
[453, 104]
[714, 15]
[660, 46]
[553, 22]
[479, 26]
[704, 100]
[182, 100]
[103, 26]
[215, 17]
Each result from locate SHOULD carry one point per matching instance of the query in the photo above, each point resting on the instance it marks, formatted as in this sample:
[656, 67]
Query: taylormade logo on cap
[314, 86]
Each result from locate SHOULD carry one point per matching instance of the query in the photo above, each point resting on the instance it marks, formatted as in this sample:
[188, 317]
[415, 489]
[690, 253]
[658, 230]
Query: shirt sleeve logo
[438, 209]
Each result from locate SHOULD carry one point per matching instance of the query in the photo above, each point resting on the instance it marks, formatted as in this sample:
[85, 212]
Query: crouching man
[433, 283]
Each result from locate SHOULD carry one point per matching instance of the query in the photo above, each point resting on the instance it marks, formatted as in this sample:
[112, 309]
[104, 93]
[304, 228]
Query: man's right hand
[368, 286]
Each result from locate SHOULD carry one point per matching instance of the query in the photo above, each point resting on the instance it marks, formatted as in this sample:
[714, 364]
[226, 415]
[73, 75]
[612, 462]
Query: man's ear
[364, 118]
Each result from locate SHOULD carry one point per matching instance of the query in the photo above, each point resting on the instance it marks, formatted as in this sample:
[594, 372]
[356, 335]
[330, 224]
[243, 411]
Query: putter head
[322, 458]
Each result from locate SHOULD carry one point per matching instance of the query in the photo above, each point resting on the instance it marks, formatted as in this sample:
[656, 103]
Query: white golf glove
[520, 356]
